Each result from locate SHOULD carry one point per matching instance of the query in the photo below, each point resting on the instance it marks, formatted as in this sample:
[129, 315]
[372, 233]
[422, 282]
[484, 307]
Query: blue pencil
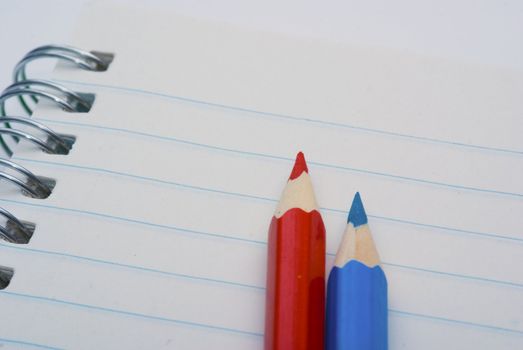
[356, 290]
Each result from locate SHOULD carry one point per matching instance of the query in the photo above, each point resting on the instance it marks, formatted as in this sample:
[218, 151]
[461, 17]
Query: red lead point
[299, 166]
[295, 293]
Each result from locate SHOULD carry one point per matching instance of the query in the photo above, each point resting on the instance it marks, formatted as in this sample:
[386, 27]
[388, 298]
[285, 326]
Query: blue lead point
[357, 213]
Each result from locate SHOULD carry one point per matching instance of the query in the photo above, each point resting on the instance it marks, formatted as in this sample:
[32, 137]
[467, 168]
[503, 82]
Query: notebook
[154, 235]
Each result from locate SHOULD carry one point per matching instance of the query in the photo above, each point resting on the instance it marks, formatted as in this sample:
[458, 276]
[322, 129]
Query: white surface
[451, 96]
[485, 31]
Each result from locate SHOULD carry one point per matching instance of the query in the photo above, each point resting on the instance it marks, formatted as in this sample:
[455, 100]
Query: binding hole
[6, 274]
[14, 230]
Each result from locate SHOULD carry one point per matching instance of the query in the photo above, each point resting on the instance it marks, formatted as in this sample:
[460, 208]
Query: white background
[483, 31]
[487, 32]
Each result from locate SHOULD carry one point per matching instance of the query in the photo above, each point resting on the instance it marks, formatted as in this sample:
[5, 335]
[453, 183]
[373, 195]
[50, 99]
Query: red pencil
[294, 311]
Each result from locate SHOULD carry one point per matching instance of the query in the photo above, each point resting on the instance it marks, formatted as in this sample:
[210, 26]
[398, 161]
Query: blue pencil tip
[357, 213]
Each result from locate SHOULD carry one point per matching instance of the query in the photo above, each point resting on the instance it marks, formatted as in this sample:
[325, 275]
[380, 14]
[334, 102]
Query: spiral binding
[54, 143]
[20, 128]
[69, 100]
[92, 61]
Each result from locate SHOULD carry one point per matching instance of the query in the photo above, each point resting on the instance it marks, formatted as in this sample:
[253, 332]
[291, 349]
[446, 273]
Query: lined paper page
[155, 235]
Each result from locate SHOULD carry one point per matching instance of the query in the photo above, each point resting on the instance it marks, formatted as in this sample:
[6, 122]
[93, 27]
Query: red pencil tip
[299, 167]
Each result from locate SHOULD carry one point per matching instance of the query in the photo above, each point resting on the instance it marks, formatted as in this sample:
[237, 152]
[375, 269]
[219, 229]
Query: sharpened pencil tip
[357, 213]
[299, 166]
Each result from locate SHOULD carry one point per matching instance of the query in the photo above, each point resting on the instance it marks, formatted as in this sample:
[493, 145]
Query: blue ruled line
[206, 234]
[310, 120]
[28, 344]
[132, 221]
[248, 196]
[450, 320]
[128, 266]
[291, 160]
[456, 275]
[237, 331]
[133, 314]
